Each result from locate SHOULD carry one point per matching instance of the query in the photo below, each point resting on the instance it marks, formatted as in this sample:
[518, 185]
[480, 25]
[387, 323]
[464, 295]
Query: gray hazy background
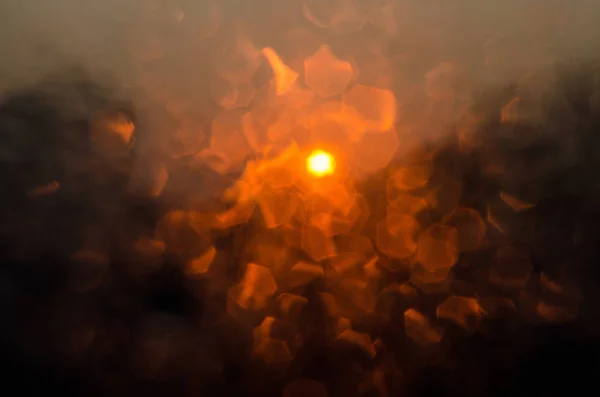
[37, 36]
[93, 31]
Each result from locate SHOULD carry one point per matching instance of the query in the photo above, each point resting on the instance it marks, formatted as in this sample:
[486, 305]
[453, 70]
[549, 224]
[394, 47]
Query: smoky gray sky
[37, 35]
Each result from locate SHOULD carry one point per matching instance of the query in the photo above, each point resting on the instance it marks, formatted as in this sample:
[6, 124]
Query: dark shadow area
[100, 327]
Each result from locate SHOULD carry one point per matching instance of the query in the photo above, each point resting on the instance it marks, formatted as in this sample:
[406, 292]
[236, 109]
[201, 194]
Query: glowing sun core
[320, 163]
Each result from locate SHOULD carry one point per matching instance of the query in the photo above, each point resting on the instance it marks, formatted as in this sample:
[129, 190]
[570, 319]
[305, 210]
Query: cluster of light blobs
[345, 98]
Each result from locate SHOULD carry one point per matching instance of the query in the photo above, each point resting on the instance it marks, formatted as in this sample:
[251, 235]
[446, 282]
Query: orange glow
[325, 74]
[285, 77]
[323, 181]
[320, 163]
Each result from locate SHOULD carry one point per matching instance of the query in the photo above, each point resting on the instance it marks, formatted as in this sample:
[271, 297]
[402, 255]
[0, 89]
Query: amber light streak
[320, 163]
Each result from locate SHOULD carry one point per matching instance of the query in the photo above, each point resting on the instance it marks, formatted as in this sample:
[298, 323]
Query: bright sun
[320, 163]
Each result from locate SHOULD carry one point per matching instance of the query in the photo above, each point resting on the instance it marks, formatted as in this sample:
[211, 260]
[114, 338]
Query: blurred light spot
[277, 206]
[394, 297]
[227, 140]
[396, 236]
[238, 214]
[201, 264]
[149, 247]
[325, 74]
[182, 233]
[111, 133]
[494, 220]
[560, 287]
[496, 306]
[178, 14]
[271, 249]
[255, 289]
[303, 273]
[555, 313]
[232, 95]
[465, 312]
[510, 112]
[319, 13]
[285, 77]
[438, 247]
[441, 81]
[357, 292]
[420, 329]
[160, 180]
[514, 203]
[470, 226]
[375, 106]
[290, 304]
[45, 190]
[268, 345]
[237, 61]
[409, 177]
[184, 140]
[149, 253]
[404, 203]
[359, 339]
[430, 282]
[317, 243]
[384, 18]
[273, 351]
[373, 152]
